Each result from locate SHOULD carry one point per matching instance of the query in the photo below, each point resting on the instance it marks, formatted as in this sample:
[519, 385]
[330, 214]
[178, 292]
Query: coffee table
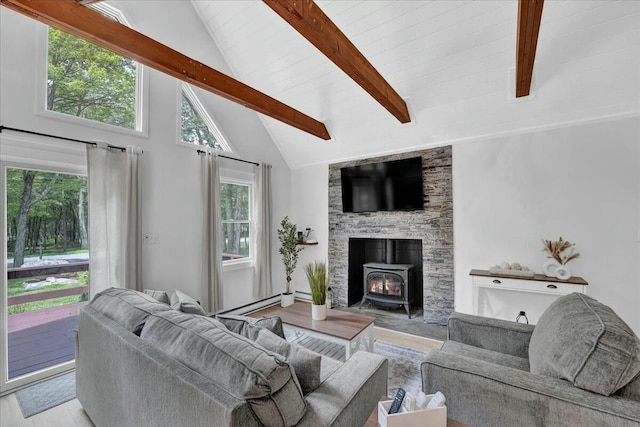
[349, 329]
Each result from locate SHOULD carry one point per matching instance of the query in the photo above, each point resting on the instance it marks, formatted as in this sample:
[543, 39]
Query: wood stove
[388, 285]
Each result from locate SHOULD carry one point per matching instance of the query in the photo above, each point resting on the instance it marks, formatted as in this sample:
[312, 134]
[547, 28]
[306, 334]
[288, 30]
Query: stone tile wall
[434, 225]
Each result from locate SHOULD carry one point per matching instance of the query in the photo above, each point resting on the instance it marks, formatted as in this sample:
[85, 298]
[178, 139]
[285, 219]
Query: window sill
[237, 265]
[92, 123]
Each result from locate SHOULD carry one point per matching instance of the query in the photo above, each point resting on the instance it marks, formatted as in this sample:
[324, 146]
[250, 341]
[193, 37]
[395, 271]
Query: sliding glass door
[46, 260]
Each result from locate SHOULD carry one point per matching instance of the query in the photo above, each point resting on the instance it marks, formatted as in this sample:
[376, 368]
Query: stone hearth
[433, 225]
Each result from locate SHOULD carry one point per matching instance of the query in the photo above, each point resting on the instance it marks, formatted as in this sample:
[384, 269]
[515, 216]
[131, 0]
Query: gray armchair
[578, 367]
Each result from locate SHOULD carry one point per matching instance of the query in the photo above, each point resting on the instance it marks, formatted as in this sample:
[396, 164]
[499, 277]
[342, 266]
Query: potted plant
[318, 279]
[289, 249]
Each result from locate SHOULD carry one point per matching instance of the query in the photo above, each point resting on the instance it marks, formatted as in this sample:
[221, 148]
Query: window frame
[206, 116]
[241, 178]
[42, 74]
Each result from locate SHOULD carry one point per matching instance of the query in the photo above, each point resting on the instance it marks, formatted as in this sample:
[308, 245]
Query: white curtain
[115, 241]
[262, 284]
[211, 299]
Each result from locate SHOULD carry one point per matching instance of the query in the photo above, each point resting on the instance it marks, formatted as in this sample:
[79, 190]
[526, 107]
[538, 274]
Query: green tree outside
[87, 81]
[54, 217]
[193, 128]
[234, 200]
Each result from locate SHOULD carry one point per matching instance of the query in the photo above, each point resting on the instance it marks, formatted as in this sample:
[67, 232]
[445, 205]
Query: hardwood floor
[68, 414]
[407, 340]
[71, 414]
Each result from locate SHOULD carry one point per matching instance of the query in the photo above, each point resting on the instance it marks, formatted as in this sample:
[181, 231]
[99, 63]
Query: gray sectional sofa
[579, 366]
[140, 362]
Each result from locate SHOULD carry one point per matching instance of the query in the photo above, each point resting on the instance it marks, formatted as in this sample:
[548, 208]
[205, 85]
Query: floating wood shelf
[307, 244]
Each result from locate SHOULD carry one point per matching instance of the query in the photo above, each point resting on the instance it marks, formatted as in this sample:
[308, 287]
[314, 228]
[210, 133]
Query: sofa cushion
[237, 323]
[306, 363]
[238, 365]
[161, 296]
[129, 308]
[583, 341]
[478, 353]
[631, 390]
[184, 303]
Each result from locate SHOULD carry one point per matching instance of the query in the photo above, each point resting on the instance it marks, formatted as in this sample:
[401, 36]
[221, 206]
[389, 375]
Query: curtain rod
[95, 144]
[231, 158]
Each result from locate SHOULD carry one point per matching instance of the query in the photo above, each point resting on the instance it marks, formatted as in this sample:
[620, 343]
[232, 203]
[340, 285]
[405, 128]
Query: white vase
[563, 273]
[287, 299]
[319, 312]
[549, 267]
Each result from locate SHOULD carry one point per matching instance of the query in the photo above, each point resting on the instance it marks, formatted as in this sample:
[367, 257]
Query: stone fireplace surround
[433, 225]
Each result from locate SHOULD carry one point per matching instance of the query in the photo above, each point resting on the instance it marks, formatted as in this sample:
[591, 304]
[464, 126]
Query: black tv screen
[386, 186]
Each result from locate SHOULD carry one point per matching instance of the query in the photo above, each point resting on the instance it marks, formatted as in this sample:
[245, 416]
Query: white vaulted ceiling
[450, 60]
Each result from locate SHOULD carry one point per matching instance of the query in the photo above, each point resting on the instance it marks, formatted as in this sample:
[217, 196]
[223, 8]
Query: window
[235, 201]
[87, 81]
[196, 125]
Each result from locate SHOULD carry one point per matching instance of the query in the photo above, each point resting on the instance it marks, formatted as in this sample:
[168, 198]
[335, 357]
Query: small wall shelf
[307, 244]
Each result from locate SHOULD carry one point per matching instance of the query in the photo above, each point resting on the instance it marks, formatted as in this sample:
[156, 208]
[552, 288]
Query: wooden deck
[41, 339]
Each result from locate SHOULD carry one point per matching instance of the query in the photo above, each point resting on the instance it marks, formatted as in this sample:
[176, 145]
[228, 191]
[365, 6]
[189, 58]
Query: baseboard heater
[252, 306]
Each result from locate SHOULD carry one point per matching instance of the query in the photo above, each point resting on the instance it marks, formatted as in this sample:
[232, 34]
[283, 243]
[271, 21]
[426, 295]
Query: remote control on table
[397, 401]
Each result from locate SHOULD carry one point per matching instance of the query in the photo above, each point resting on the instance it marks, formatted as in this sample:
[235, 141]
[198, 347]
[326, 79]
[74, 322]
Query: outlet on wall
[150, 238]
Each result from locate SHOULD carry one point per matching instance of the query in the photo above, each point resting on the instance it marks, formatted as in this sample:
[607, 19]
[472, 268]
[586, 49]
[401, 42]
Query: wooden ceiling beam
[529, 18]
[311, 22]
[86, 23]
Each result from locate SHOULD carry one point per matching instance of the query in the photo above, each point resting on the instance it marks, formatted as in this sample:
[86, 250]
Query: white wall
[171, 173]
[580, 182]
[310, 199]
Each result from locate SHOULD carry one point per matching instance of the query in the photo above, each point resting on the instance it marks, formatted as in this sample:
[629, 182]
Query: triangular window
[196, 125]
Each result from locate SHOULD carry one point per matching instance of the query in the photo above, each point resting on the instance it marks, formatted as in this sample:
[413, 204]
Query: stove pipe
[390, 248]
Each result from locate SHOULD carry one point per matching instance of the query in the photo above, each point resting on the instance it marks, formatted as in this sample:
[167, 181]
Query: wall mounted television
[394, 185]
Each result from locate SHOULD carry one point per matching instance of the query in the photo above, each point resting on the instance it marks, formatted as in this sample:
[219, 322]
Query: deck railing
[41, 296]
[44, 270]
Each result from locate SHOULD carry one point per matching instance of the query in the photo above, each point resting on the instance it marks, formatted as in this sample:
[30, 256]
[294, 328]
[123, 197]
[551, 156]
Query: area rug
[404, 366]
[404, 362]
[47, 394]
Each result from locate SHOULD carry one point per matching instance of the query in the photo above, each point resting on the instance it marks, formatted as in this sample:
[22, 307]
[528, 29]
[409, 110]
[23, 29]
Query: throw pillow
[237, 323]
[583, 341]
[161, 296]
[306, 363]
[184, 303]
[243, 368]
[128, 308]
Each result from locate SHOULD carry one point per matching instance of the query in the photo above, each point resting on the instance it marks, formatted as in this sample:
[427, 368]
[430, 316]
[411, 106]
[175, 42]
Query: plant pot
[319, 312]
[287, 299]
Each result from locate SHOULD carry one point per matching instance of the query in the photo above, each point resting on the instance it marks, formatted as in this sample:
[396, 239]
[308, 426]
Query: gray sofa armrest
[122, 380]
[349, 395]
[484, 394]
[491, 334]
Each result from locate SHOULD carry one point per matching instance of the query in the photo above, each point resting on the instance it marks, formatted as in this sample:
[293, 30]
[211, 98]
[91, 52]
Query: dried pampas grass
[556, 248]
